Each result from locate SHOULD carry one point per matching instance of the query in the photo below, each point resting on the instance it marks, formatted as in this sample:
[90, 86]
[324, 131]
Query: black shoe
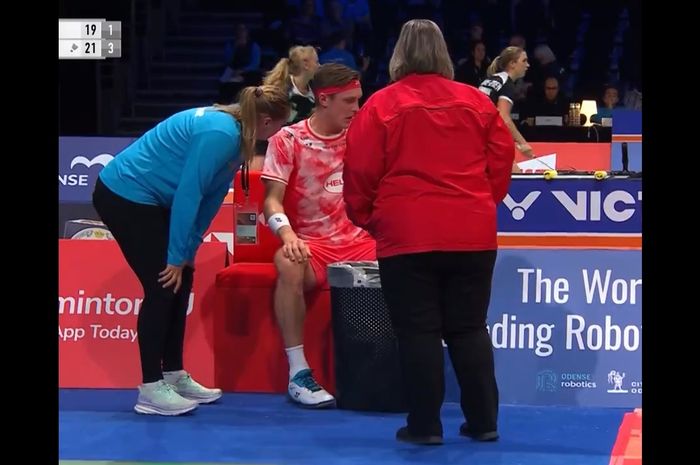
[483, 437]
[403, 435]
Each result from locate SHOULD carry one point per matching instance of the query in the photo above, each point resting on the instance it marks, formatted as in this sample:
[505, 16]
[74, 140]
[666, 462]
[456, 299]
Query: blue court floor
[99, 427]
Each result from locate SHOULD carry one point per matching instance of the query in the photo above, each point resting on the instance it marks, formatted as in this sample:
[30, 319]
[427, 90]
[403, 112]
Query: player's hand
[294, 248]
[526, 150]
[171, 276]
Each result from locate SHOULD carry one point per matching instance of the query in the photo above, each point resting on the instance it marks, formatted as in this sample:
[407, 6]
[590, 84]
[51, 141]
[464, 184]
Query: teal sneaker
[305, 391]
[188, 388]
[161, 399]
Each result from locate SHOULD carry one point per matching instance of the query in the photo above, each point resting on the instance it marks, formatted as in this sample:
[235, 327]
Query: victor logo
[518, 209]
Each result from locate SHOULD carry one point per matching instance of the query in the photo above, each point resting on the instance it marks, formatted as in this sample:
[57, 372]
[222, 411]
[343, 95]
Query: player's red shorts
[323, 254]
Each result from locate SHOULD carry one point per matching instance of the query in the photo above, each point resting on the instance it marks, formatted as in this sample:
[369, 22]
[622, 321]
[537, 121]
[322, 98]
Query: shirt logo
[334, 183]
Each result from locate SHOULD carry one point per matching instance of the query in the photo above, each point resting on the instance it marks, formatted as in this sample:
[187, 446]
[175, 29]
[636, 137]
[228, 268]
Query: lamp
[589, 108]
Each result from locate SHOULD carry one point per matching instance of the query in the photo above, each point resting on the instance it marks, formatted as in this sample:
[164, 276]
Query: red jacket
[427, 161]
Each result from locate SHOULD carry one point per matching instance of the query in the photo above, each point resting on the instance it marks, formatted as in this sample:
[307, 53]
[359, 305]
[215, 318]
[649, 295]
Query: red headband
[330, 90]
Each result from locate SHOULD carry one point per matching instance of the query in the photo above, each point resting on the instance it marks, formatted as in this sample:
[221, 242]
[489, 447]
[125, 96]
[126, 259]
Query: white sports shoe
[304, 390]
[161, 399]
[190, 389]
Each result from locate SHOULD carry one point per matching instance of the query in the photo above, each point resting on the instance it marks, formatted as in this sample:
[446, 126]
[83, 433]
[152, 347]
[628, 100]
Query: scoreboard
[89, 39]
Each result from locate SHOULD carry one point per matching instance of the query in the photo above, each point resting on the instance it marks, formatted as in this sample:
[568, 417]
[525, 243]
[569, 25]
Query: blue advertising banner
[566, 328]
[572, 206]
[80, 160]
[534, 205]
[627, 121]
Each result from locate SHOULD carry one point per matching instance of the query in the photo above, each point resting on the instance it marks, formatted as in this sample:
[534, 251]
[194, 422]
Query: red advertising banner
[566, 156]
[221, 228]
[98, 305]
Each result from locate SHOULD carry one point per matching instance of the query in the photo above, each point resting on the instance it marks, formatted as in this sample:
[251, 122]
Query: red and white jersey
[312, 168]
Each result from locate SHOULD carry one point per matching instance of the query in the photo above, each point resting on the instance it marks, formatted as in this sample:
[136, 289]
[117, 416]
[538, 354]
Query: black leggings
[142, 232]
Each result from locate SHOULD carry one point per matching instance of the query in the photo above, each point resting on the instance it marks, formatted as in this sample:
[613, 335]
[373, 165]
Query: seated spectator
[242, 64]
[611, 98]
[633, 99]
[551, 102]
[545, 65]
[338, 53]
[473, 71]
[335, 23]
[305, 28]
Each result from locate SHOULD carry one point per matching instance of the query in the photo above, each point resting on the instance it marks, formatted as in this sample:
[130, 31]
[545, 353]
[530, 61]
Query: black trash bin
[367, 370]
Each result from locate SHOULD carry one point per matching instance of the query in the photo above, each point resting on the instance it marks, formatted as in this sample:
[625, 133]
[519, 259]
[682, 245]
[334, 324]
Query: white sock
[172, 376]
[297, 361]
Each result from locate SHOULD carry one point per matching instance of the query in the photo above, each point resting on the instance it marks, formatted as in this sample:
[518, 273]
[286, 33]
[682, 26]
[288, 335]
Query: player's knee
[289, 272]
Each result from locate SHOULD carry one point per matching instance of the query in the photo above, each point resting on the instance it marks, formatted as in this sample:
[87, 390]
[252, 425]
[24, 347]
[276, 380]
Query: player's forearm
[517, 137]
[272, 206]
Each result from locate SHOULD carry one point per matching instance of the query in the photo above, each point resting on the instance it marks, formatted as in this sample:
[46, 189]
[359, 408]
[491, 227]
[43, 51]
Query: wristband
[278, 220]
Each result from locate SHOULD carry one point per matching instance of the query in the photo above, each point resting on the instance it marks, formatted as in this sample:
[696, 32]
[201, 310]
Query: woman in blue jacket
[157, 197]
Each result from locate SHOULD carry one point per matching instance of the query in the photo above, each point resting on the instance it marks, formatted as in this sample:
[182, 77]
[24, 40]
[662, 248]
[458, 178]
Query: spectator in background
[611, 98]
[338, 54]
[549, 102]
[357, 11]
[473, 71]
[633, 99]
[545, 65]
[305, 28]
[243, 64]
[335, 23]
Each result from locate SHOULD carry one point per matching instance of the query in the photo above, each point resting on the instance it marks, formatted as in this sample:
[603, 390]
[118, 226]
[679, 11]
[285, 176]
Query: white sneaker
[304, 390]
[190, 389]
[161, 399]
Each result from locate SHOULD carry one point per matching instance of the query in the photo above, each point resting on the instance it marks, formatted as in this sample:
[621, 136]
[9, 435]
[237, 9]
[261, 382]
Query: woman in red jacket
[427, 161]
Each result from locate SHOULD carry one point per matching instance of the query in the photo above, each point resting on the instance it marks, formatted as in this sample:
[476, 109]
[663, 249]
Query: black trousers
[142, 232]
[446, 295]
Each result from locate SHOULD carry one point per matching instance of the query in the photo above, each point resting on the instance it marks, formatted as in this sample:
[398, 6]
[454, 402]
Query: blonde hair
[421, 49]
[254, 101]
[294, 65]
[501, 62]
